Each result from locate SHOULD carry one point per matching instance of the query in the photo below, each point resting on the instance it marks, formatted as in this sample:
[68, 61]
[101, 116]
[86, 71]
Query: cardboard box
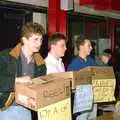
[102, 79]
[83, 76]
[41, 93]
[103, 82]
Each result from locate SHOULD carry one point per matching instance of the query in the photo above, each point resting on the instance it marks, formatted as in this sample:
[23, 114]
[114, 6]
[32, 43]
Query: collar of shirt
[83, 60]
[54, 60]
[24, 59]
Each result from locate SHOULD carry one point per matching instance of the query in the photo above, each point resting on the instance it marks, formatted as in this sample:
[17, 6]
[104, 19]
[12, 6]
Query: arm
[7, 75]
[40, 70]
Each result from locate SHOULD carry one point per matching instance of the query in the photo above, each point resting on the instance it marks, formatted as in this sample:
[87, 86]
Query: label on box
[57, 111]
[103, 90]
[83, 98]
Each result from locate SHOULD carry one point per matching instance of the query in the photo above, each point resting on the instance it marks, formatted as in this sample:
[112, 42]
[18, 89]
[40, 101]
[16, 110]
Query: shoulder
[92, 60]
[47, 59]
[4, 52]
[75, 64]
[76, 59]
[4, 55]
[51, 67]
[39, 59]
[49, 62]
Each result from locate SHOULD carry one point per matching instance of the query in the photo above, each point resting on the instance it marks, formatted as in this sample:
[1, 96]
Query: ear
[52, 45]
[24, 39]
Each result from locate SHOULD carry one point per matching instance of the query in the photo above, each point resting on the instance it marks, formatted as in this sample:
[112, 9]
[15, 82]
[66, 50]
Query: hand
[24, 79]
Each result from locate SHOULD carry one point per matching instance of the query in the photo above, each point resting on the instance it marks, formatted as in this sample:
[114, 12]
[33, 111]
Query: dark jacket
[10, 68]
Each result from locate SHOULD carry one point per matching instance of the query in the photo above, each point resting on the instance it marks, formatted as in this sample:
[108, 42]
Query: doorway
[11, 21]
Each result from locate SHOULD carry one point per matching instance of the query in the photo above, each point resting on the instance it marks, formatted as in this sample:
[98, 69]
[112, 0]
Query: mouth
[38, 48]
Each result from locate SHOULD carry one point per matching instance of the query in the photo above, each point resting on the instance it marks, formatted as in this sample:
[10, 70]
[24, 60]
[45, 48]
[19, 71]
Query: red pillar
[57, 18]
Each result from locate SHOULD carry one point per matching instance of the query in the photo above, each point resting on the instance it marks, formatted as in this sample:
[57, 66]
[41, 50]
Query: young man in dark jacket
[19, 65]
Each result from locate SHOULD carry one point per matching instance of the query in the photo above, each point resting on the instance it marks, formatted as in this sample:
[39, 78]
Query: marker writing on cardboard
[48, 113]
[103, 90]
[56, 92]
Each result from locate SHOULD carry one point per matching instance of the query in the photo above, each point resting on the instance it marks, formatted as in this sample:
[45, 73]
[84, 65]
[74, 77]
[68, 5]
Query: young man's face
[33, 43]
[86, 48]
[59, 48]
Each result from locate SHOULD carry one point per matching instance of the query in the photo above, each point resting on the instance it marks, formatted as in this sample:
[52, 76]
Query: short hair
[80, 41]
[31, 28]
[56, 37]
[108, 51]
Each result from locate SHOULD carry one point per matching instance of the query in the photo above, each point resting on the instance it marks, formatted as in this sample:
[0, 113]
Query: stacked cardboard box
[76, 78]
[102, 79]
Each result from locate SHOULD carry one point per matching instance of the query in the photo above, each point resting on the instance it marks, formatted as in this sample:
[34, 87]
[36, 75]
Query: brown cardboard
[98, 70]
[76, 78]
[102, 79]
[83, 76]
[103, 82]
[41, 93]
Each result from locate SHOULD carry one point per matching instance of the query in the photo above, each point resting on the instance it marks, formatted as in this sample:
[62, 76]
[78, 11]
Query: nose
[91, 48]
[65, 48]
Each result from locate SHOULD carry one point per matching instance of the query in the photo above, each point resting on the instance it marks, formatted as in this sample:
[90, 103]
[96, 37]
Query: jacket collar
[15, 52]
